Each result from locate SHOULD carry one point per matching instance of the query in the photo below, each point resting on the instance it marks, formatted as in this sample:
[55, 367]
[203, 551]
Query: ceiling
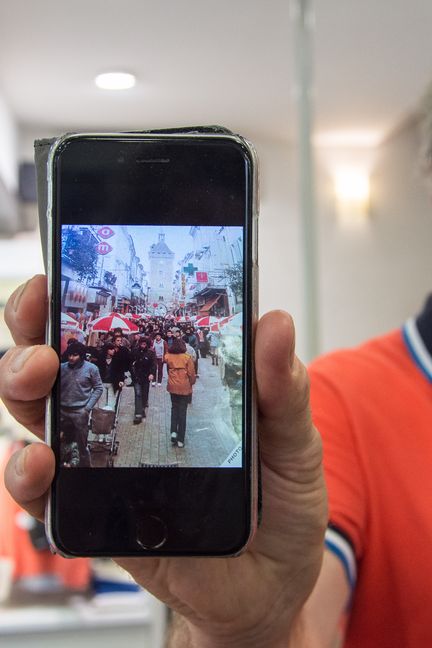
[202, 61]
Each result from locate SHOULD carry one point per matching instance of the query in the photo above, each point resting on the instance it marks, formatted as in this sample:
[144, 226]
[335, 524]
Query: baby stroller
[102, 438]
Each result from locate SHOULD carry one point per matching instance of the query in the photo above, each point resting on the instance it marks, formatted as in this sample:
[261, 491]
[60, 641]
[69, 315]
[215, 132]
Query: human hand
[247, 601]
[121, 384]
[151, 377]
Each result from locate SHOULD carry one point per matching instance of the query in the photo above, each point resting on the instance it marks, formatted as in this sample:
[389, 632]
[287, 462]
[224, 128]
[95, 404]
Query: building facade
[161, 262]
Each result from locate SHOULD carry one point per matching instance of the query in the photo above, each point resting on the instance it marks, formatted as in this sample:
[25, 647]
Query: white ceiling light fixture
[115, 81]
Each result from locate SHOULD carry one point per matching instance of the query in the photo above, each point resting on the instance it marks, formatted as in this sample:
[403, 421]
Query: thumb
[294, 498]
[283, 391]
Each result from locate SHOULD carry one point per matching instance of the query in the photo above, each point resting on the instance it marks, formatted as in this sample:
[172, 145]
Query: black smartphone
[152, 265]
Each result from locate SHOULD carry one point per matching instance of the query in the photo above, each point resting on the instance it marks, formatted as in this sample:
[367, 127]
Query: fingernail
[20, 357]
[20, 462]
[19, 294]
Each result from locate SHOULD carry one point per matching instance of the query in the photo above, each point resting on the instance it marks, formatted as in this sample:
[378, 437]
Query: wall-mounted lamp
[352, 191]
[349, 156]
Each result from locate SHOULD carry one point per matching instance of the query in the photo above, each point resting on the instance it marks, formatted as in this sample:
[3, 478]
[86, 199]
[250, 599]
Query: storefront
[213, 301]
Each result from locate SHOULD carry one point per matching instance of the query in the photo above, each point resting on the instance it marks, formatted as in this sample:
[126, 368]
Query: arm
[97, 387]
[191, 371]
[319, 623]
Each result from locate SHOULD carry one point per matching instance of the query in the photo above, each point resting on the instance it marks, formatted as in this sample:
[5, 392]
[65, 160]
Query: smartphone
[152, 263]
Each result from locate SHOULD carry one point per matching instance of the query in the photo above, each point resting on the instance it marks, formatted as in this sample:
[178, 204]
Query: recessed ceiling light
[115, 81]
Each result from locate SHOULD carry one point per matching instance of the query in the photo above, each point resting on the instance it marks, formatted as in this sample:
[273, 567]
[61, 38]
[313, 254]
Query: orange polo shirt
[373, 408]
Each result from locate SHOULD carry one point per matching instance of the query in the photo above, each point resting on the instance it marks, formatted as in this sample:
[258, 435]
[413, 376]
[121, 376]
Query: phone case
[43, 154]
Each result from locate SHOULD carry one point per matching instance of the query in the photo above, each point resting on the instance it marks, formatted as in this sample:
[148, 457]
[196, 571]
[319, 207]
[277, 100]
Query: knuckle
[27, 373]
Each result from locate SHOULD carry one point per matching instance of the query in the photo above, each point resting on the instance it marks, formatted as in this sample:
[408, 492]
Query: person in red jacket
[181, 377]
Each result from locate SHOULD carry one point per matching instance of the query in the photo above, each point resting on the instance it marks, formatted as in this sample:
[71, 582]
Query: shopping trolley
[102, 439]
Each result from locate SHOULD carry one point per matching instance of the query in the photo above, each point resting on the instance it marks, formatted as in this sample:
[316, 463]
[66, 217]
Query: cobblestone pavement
[209, 437]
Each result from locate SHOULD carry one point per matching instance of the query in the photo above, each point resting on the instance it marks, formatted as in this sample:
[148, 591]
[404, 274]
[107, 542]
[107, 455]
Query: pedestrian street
[209, 437]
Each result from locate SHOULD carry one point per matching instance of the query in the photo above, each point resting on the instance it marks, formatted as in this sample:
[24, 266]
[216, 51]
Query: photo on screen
[151, 341]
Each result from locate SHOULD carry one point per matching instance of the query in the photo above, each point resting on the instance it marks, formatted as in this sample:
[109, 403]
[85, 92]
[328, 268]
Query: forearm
[181, 634]
[96, 394]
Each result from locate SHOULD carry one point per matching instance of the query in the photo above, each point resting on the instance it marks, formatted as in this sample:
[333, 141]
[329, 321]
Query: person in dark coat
[111, 364]
[190, 338]
[122, 360]
[143, 371]
[169, 338]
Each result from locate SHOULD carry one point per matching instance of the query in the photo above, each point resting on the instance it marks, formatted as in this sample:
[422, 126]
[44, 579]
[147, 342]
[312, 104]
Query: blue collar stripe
[335, 543]
[417, 348]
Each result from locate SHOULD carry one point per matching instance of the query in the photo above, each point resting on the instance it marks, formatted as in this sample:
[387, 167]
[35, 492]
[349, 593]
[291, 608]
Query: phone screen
[152, 318]
[151, 333]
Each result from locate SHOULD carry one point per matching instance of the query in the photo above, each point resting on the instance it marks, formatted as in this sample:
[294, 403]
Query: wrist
[184, 634]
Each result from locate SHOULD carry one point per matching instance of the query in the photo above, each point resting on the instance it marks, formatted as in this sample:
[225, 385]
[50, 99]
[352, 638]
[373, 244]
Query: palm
[258, 585]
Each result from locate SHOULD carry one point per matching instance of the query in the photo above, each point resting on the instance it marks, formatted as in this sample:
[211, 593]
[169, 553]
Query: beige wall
[375, 275]
[8, 147]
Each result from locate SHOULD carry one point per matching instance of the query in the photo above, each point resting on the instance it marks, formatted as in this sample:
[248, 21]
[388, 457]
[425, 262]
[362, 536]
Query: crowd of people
[94, 376]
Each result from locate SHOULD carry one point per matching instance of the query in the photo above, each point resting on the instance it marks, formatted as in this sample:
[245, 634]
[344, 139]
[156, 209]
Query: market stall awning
[209, 304]
[112, 321]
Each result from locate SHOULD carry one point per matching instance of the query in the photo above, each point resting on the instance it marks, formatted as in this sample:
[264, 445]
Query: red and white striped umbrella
[112, 321]
[66, 321]
[234, 325]
[132, 316]
[225, 320]
[207, 320]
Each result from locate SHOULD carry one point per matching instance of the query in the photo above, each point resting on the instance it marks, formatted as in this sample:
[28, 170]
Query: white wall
[373, 277]
[8, 147]
[279, 233]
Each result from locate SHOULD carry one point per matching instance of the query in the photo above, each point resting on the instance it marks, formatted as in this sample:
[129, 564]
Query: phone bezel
[250, 467]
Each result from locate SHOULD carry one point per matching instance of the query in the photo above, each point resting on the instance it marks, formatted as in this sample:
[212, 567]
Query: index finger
[26, 311]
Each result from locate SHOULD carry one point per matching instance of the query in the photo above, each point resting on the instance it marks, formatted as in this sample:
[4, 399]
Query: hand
[151, 377]
[251, 600]
[121, 384]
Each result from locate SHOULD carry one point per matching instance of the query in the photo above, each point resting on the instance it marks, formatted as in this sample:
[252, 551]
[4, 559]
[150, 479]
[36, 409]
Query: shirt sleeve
[190, 367]
[343, 472]
[97, 387]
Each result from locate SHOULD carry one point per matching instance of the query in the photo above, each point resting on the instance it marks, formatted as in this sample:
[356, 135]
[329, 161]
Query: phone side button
[151, 532]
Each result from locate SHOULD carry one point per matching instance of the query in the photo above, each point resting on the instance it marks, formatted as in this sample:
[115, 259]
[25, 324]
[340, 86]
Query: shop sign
[103, 248]
[105, 232]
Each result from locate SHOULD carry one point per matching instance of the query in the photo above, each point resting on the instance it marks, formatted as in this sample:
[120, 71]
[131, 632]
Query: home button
[151, 532]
